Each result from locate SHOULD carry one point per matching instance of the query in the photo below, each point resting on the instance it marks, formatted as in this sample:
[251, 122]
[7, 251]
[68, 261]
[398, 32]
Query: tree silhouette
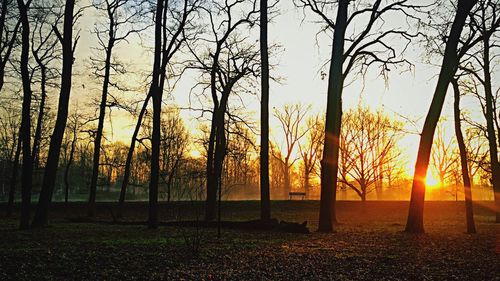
[290, 120]
[311, 150]
[167, 43]
[229, 60]
[368, 140]
[68, 47]
[469, 212]
[368, 44]
[27, 168]
[265, 199]
[415, 222]
[123, 20]
[9, 27]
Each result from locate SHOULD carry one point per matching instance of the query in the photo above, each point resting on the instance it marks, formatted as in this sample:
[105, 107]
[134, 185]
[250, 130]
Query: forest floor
[368, 245]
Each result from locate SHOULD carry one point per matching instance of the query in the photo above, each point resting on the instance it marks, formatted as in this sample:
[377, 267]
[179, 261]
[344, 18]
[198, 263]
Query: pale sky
[298, 64]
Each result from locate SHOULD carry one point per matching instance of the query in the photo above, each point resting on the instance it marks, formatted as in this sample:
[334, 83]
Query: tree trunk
[68, 165]
[49, 178]
[156, 94]
[128, 162]
[415, 222]
[100, 126]
[469, 213]
[265, 201]
[41, 112]
[13, 178]
[307, 185]
[210, 204]
[286, 176]
[27, 169]
[495, 165]
[218, 155]
[9, 44]
[330, 158]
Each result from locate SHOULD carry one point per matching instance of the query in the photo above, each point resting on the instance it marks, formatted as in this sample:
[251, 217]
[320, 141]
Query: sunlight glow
[431, 181]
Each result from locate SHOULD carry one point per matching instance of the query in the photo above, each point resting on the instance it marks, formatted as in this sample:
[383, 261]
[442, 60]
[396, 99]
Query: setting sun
[431, 181]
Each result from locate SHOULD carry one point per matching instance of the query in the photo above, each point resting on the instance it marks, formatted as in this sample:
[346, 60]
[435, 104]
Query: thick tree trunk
[212, 183]
[100, 126]
[219, 153]
[469, 213]
[490, 127]
[156, 94]
[27, 169]
[13, 177]
[265, 201]
[49, 178]
[363, 196]
[415, 222]
[330, 158]
[128, 162]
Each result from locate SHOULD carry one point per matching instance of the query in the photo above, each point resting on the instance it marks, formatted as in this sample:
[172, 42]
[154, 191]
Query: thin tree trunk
[415, 222]
[211, 181]
[156, 94]
[307, 185]
[13, 177]
[128, 162]
[265, 201]
[171, 177]
[68, 165]
[41, 112]
[100, 126]
[49, 178]
[490, 128]
[286, 175]
[330, 158]
[469, 213]
[10, 44]
[27, 169]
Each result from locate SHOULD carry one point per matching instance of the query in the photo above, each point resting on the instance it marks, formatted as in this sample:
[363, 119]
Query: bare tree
[311, 150]
[174, 142]
[469, 213]
[291, 124]
[25, 137]
[167, 43]
[10, 149]
[367, 140]
[368, 44]
[265, 199]
[443, 157]
[239, 171]
[77, 121]
[227, 61]
[123, 20]
[415, 222]
[483, 25]
[68, 48]
[9, 26]
[45, 53]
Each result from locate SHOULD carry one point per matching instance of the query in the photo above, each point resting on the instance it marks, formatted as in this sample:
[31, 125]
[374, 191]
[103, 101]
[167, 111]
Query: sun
[431, 181]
